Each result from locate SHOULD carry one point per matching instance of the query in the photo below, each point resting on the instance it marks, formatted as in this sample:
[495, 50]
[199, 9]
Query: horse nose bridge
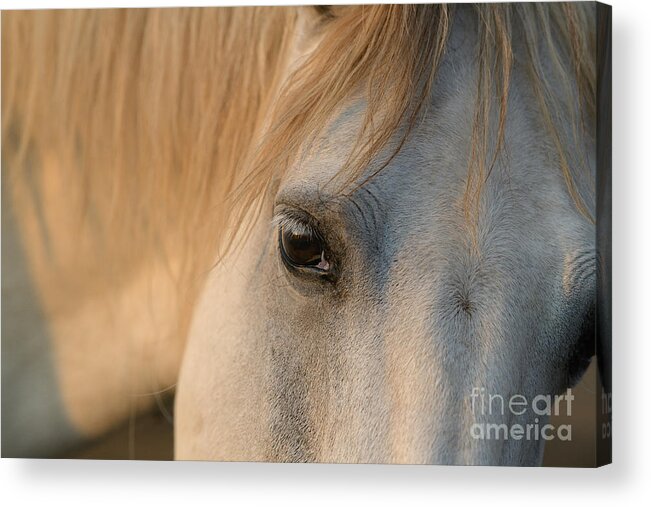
[427, 332]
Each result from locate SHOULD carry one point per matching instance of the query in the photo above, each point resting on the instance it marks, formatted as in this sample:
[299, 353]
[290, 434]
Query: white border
[42, 482]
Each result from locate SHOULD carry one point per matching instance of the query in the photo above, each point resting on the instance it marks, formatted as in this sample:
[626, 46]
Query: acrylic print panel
[350, 234]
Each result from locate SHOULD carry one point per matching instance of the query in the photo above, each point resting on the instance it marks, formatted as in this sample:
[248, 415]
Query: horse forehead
[436, 147]
[424, 186]
[434, 151]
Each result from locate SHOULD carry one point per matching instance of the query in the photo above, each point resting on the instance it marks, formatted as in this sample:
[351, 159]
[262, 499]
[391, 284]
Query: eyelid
[293, 224]
[297, 221]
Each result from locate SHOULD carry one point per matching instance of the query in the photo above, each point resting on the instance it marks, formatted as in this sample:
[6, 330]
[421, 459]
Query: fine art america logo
[537, 411]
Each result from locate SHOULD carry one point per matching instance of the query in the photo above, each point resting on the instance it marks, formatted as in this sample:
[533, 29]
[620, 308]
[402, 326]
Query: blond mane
[162, 128]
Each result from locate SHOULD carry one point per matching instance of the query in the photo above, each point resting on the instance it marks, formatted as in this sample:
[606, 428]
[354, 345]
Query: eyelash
[294, 224]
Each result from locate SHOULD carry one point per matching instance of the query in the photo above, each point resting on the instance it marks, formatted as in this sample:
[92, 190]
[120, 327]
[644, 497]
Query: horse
[326, 229]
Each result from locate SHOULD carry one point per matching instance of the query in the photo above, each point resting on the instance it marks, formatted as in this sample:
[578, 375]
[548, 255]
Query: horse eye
[303, 249]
